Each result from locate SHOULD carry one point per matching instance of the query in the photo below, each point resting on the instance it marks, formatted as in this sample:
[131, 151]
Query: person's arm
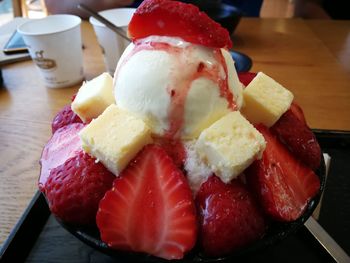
[310, 9]
[70, 6]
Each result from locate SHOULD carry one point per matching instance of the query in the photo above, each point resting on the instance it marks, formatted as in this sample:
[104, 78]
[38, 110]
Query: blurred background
[37, 8]
[319, 9]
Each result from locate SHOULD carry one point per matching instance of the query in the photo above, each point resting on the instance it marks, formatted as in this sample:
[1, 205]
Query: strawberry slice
[150, 208]
[298, 138]
[229, 217]
[246, 77]
[176, 19]
[283, 184]
[64, 144]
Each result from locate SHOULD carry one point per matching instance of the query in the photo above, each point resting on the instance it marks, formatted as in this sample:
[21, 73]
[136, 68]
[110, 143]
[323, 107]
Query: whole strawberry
[229, 217]
[298, 112]
[292, 131]
[64, 117]
[75, 188]
[283, 184]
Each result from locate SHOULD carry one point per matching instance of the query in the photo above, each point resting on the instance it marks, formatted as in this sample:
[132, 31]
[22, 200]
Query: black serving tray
[38, 237]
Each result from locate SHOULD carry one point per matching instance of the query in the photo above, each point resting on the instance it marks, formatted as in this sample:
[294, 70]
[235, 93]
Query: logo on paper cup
[42, 62]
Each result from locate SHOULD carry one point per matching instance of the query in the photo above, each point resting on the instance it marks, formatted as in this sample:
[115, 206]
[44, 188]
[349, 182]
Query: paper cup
[55, 45]
[112, 44]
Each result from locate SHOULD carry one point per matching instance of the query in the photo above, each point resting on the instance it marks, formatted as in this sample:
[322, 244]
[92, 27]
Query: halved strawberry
[298, 138]
[176, 19]
[246, 77]
[64, 144]
[283, 184]
[150, 208]
[229, 216]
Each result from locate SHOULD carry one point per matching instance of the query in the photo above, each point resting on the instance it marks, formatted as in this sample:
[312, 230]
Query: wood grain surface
[336, 37]
[291, 53]
[26, 110]
[290, 50]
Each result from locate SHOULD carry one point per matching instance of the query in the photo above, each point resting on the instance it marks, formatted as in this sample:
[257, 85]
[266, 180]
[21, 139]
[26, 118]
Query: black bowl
[226, 15]
[277, 231]
[243, 63]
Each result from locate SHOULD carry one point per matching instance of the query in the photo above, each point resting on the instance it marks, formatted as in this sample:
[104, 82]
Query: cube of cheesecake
[265, 100]
[230, 145]
[115, 137]
[94, 97]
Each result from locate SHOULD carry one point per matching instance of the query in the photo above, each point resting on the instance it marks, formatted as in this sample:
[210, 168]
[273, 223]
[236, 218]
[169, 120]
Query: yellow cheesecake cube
[265, 100]
[94, 97]
[230, 145]
[115, 137]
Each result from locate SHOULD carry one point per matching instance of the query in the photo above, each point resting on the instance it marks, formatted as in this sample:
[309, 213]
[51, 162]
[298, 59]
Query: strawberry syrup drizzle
[225, 91]
[179, 87]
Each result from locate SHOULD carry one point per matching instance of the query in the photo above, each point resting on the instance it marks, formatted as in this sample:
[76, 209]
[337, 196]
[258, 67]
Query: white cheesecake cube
[115, 137]
[94, 97]
[230, 145]
[265, 100]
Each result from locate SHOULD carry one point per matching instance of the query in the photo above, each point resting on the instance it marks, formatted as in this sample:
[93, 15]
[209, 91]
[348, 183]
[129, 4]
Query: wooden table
[302, 55]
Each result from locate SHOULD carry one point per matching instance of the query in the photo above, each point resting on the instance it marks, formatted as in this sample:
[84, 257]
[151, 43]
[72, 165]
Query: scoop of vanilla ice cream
[176, 87]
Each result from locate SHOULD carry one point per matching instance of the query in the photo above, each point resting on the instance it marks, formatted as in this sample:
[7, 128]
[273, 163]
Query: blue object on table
[243, 63]
[248, 7]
